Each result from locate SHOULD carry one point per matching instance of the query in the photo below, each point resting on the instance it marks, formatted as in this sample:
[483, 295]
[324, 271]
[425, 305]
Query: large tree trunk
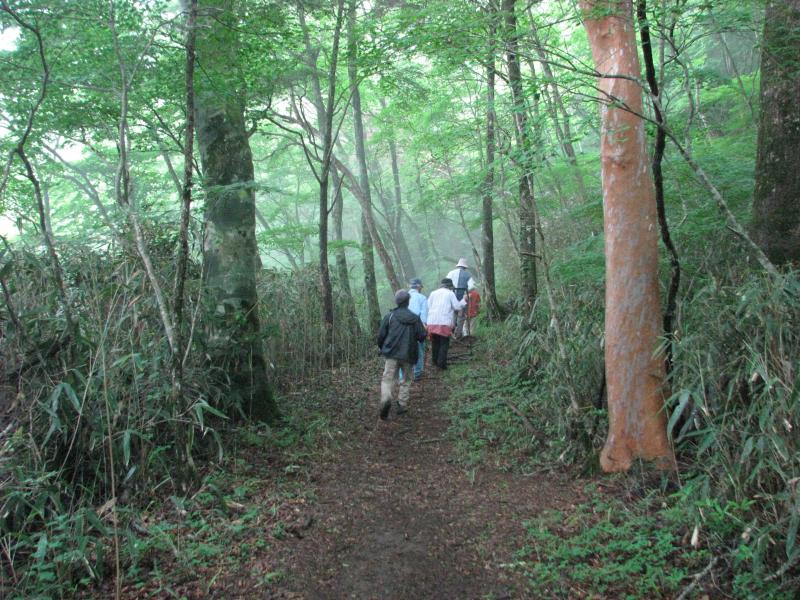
[776, 206]
[487, 223]
[361, 154]
[527, 213]
[230, 254]
[634, 372]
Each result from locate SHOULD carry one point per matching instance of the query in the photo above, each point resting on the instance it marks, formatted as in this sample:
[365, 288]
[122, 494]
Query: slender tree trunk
[406, 259]
[340, 254]
[370, 287]
[325, 124]
[433, 249]
[487, 212]
[776, 206]
[634, 371]
[658, 180]
[30, 173]
[361, 154]
[190, 6]
[527, 214]
[327, 149]
[230, 254]
[556, 108]
[289, 256]
[406, 262]
[730, 65]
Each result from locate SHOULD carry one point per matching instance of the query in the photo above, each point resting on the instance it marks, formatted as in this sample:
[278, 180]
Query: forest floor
[354, 507]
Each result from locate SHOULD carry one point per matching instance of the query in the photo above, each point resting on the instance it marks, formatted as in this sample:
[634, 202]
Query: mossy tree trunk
[230, 253]
[635, 373]
[776, 206]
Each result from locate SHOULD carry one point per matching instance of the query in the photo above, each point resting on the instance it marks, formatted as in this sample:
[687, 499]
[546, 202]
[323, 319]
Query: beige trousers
[390, 376]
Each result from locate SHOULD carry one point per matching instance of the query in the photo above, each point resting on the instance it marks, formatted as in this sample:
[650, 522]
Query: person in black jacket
[398, 335]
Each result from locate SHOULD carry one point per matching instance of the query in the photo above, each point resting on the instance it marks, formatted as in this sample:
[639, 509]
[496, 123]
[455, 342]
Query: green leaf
[791, 535]
[682, 402]
[126, 447]
[748, 448]
[710, 438]
[95, 522]
[6, 269]
[41, 548]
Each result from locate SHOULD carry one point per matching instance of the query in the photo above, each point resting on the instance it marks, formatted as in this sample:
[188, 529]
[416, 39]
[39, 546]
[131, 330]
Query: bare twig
[697, 578]
[122, 189]
[30, 173]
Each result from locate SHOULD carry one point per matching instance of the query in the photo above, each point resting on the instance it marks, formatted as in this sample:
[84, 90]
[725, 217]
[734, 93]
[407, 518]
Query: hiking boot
[384, 412]
[401, 410]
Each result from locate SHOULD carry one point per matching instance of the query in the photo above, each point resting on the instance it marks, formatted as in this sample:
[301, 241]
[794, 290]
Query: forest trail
[375, 509]
[397, 517]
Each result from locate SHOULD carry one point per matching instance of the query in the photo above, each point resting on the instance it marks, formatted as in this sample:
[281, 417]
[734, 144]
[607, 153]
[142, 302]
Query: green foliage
[101, 426]
[523, 370]
[294, 329]
[736, 390]
[608, 548]
[93, 411]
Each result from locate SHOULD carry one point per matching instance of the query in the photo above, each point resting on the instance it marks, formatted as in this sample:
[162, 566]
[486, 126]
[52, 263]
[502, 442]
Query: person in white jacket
[462, 283]
[442, 307]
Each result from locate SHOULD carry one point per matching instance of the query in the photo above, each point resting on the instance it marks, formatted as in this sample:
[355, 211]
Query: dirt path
[382, 510]
[397, 518]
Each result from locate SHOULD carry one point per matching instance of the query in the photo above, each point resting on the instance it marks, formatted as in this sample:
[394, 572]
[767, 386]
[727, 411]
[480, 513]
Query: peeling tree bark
[230, 254]
[635, 375]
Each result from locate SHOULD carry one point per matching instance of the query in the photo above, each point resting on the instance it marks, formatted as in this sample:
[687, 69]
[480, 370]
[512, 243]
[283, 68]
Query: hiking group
[447, 313]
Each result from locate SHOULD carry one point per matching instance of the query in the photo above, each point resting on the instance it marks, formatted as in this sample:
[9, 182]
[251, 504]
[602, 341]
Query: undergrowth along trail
[350, 508]
[342, 505]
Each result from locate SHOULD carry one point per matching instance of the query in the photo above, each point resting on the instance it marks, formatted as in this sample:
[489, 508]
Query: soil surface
[385, 511]
[397, 517]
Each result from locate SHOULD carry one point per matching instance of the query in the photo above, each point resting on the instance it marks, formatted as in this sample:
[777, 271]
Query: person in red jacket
[473, 308]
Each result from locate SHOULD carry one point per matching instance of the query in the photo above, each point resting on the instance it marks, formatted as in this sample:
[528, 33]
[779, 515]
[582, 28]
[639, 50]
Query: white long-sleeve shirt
[442, 304]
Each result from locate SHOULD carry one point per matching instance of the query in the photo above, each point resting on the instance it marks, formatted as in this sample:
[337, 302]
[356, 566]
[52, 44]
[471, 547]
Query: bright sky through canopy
[8, 38]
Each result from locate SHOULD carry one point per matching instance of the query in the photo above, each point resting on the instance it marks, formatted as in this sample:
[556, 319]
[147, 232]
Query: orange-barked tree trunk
[635, 374]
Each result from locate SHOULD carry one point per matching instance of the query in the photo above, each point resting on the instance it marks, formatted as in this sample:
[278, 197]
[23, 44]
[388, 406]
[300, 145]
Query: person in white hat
[462, 282]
